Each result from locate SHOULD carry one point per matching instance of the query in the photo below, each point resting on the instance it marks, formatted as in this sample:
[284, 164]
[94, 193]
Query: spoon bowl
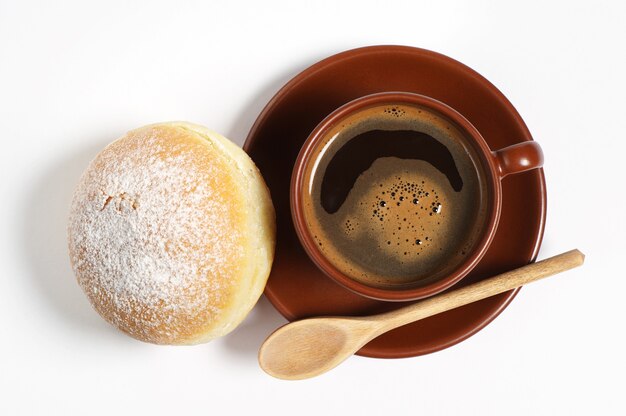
[313, 346]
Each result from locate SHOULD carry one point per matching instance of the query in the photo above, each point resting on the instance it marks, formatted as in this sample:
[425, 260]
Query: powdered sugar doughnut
[171, 234]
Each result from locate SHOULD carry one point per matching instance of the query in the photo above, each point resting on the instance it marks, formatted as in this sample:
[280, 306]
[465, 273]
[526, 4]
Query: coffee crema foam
[394, 196]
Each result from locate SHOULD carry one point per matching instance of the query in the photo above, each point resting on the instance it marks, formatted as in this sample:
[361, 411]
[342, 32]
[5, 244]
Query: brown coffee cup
[493, 165]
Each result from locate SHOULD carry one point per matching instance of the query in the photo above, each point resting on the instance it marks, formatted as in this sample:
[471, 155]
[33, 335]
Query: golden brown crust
[172, 233]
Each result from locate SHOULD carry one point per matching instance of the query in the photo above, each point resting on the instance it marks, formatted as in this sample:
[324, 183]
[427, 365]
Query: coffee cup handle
[519, 158]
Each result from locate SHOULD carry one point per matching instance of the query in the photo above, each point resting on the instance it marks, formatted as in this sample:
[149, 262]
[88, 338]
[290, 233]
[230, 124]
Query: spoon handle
[477, 291]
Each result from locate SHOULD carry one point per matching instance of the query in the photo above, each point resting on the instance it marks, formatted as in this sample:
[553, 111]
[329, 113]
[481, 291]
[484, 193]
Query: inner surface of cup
[394, 195]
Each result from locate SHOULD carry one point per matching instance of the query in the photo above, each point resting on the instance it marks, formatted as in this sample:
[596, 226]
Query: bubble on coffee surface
[401, 220]
[395, 111]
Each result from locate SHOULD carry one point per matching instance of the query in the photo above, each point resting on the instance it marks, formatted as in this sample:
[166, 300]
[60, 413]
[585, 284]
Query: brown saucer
[296, 287]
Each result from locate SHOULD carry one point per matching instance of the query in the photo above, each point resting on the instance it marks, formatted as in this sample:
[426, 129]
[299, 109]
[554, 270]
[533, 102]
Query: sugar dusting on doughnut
[156, 237]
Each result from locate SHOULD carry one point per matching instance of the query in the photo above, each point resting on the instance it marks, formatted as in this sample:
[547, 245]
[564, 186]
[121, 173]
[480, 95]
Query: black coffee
[394, 196]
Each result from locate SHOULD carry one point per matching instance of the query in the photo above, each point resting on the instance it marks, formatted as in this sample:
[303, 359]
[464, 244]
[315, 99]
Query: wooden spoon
[310, 347]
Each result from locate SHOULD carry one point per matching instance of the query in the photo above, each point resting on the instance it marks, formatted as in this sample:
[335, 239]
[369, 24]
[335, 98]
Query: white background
[76, 75]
